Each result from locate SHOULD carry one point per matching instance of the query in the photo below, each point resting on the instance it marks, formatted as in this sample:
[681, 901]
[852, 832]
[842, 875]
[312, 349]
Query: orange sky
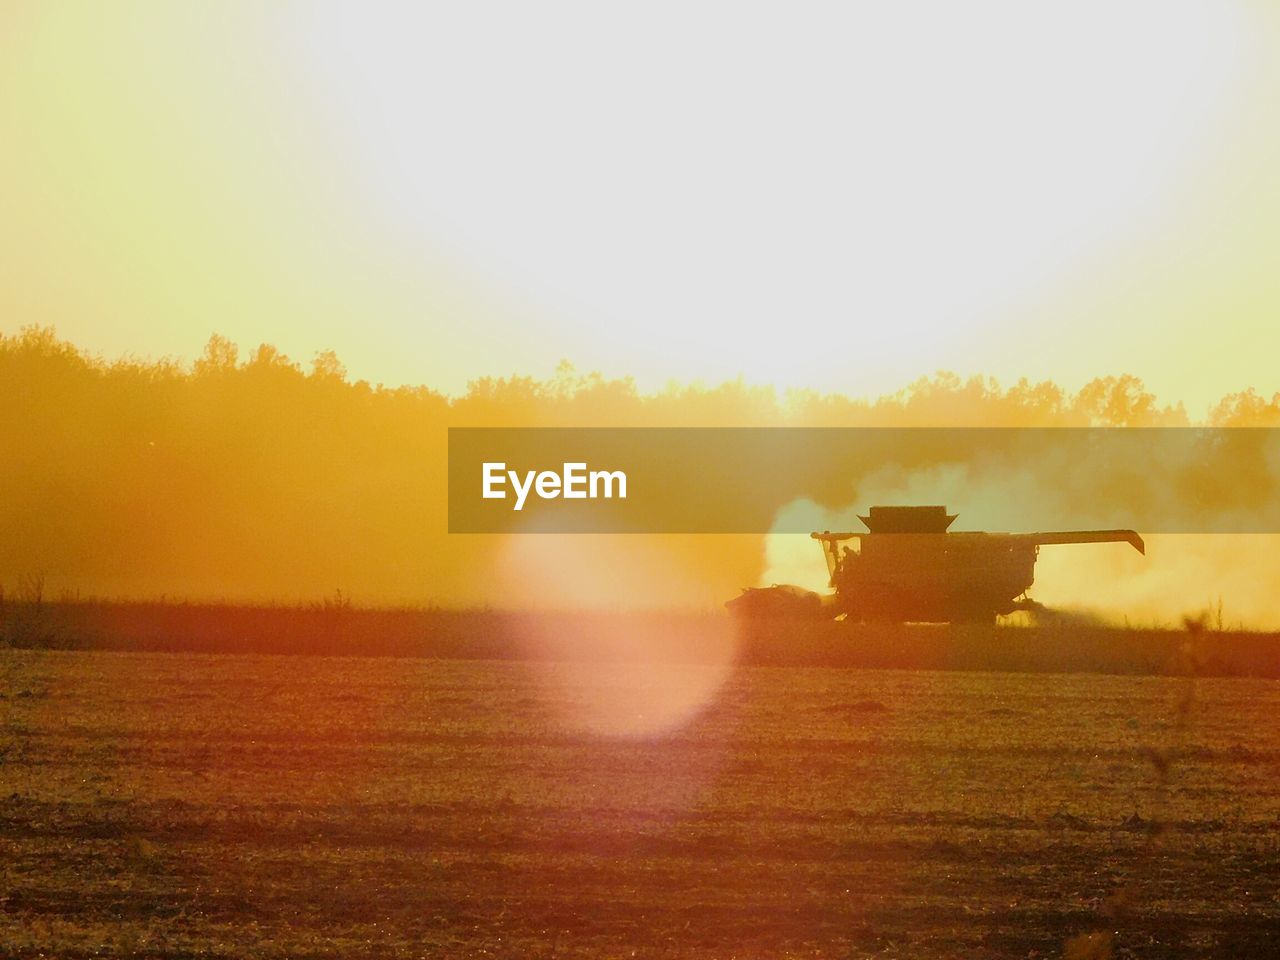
[829, 195]
[832, 195]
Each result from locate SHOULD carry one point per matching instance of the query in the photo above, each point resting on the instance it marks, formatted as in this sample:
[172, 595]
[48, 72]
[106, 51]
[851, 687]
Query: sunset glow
[445, 194]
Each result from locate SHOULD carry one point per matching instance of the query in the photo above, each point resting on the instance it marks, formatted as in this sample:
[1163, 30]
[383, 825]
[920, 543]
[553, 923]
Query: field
[334, 627]
[188, 805]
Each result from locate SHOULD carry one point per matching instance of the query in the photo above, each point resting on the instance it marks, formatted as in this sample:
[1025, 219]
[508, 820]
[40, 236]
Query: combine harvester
[909, 568]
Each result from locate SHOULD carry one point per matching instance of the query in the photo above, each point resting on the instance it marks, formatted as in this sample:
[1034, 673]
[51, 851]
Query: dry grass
[333, 626]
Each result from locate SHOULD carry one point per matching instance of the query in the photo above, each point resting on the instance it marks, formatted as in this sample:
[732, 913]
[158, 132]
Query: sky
[839, 196]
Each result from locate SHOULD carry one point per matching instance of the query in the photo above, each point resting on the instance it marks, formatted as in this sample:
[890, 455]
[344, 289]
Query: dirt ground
[183, 805]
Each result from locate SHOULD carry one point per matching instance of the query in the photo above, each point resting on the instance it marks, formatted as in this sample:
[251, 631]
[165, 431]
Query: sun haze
[832, 196]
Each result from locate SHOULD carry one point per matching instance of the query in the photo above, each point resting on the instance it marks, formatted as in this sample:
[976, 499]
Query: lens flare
[641, 675]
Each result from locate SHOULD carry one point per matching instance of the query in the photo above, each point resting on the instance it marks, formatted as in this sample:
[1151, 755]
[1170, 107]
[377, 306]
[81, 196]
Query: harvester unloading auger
[908, 567]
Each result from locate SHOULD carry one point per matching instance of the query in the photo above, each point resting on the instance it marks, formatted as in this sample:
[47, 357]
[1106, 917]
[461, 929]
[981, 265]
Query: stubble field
[185, 805]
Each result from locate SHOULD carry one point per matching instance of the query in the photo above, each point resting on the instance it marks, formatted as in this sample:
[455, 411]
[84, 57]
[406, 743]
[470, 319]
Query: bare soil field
[191, 805]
